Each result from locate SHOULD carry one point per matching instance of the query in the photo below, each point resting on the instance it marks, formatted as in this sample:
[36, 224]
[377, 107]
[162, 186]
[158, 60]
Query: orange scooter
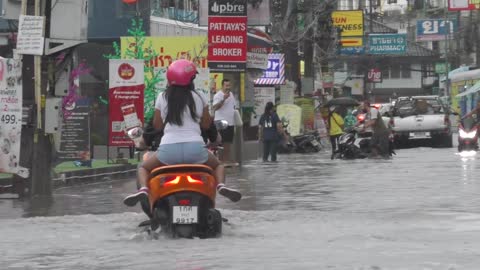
[182, 198]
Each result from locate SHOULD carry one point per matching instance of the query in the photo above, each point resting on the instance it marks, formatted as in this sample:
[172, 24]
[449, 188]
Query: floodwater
[417, 211]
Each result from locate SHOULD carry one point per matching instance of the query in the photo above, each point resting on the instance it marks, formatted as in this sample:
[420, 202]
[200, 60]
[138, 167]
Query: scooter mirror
[136, 135]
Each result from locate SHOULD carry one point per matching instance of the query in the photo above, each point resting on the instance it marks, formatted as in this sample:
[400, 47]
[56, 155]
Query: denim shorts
[183, 153]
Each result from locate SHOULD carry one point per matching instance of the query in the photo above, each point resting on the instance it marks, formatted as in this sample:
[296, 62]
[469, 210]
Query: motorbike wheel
[214, 223]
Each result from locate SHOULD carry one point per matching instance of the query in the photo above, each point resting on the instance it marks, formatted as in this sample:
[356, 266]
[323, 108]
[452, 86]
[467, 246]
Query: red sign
[458, 5]
[126, 99]
[374, 75]
[227, 36]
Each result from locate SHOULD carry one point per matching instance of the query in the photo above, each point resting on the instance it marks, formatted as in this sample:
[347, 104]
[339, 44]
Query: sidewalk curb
[81, 177]
[87, 176]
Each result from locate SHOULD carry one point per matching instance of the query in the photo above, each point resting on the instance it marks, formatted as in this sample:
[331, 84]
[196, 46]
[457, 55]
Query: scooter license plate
[185, 214]
[315, 143]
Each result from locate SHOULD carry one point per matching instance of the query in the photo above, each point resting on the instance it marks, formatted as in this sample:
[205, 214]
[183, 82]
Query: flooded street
[420, 210]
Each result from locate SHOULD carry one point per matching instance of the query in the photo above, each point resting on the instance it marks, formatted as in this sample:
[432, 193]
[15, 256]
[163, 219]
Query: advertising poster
[126, 99]
[75, 136]
[227, 35]
[263, 95]
[287, 93]
[11, 116]
[292, 115]
[308, 112]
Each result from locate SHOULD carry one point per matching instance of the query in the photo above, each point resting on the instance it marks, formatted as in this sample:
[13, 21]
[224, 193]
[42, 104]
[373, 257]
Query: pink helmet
[181, 73]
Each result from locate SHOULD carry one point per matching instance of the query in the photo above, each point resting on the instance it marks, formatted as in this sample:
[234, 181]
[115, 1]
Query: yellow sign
[349, 21]
[352, 42]
[169, 49]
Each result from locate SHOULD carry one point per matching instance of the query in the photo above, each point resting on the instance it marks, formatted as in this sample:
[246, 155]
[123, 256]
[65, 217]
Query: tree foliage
[138, 51]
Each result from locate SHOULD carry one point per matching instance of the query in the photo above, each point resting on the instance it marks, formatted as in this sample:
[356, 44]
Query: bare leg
[219, 169]
[143, 174]
[226, 155]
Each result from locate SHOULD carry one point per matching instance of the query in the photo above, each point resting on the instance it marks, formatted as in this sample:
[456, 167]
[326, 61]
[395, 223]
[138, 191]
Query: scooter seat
[181, 168]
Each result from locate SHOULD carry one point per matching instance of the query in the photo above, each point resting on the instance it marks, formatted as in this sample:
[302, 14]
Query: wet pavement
[420, 210]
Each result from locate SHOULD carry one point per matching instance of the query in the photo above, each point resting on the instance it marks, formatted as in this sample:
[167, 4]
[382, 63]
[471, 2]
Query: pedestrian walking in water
[270, 131]
[335, 128]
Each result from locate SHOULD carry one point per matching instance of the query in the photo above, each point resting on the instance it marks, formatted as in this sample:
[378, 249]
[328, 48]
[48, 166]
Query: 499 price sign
[10, 116]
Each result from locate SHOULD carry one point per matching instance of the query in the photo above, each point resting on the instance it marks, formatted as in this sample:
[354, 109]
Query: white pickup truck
[421, 117]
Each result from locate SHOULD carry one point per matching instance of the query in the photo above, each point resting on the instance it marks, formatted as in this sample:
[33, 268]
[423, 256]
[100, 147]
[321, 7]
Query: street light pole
[447, 33]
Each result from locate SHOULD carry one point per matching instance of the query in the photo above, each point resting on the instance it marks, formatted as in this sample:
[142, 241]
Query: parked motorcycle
[308, 142]
[468, 135]
[182, 197]
[349, 147]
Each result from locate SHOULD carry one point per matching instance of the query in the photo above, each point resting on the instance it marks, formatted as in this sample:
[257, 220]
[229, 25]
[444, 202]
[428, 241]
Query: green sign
[440, 68]
[387, 44]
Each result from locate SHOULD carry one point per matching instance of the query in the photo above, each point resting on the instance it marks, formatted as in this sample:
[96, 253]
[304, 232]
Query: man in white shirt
[224, 107]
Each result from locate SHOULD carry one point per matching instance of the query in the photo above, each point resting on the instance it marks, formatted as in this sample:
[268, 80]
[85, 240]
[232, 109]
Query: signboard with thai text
[387, 44]
[435, 29]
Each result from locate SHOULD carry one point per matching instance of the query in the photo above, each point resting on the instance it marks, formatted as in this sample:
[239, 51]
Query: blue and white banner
[435, 29]
[275, 72]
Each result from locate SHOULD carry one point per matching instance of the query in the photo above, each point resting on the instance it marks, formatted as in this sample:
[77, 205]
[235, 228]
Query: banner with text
[75, 136]
[435, 29]
[11, 116]
[275, 72]
[349, 21]
[227, 35]
[126, 86]
[387, 44]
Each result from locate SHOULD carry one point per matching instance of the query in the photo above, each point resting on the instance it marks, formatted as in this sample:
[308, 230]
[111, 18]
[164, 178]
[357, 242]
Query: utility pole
[477, 38]
[447, 34]
[36, 149]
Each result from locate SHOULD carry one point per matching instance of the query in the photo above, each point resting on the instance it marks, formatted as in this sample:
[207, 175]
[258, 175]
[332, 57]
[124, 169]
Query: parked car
[422, 117]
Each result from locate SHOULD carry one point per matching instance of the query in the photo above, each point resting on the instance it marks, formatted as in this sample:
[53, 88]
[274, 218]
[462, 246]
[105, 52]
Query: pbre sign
[227, 35]
[231, 8]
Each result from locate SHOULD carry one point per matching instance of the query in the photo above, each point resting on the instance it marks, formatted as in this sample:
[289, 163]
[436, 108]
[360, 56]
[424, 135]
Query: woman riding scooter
[179, 112]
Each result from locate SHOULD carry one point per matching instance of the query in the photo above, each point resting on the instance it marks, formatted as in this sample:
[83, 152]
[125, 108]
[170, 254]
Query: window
[395, 72]
[406, 72]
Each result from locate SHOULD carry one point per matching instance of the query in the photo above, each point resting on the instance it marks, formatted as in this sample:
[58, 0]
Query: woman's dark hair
[178, 98]
[268, 108]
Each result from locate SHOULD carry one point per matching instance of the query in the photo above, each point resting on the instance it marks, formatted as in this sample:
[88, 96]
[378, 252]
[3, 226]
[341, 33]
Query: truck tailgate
[419, 123]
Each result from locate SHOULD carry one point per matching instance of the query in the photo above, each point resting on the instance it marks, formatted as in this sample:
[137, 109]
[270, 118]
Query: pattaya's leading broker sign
[227, 35]
[387, 44]
[126, 93]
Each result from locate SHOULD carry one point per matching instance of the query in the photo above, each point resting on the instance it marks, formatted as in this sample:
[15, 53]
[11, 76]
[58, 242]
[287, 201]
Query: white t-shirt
[372, 115]
[190, 130]
[227, 111]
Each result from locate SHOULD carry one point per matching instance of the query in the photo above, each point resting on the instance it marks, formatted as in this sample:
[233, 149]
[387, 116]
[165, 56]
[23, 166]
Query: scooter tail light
[170, 180]
[196, 179]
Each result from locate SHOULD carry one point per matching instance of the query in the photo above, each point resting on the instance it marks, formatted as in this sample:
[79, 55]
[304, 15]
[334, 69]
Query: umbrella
[345, 101]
